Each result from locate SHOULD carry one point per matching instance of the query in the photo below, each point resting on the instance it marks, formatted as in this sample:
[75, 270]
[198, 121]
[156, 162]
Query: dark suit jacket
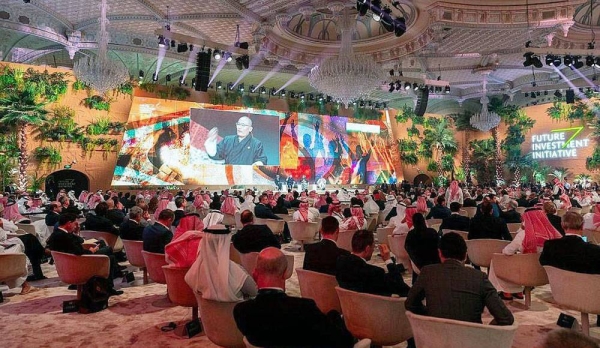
[510, 216]
[456, 222]
[254, 238]
[354, 273]
[439, 212]
[131, 230]
[155, 238]
[274, 319]
[490, 227]
[115, 216]
[99, 223]
[571, 253]
[65, 242]
[52, 218]
[322, 256]
[453, 291]
[422, 247]
[261, 211]
[556, 221]
[178, 215]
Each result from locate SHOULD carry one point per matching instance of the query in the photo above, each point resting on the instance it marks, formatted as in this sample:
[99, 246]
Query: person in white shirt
[370, 207]
[356, 221]
[305, 213]
[13, 245]
[591, 220]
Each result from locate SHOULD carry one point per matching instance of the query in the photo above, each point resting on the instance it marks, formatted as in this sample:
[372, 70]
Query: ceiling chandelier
[485, 120]
[347, 77]
[100, 73]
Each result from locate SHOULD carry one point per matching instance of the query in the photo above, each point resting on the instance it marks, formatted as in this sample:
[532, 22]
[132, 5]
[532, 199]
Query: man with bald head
[276, 319]
[242, 148]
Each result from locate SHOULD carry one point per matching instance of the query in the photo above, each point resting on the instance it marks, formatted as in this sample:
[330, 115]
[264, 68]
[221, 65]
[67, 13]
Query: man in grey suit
[453, 291]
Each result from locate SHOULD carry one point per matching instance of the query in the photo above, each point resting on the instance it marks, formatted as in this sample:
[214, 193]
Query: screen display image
[185, 143]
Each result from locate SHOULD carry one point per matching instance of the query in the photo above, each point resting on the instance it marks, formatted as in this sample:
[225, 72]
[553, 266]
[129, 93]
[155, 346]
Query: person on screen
[242, 148]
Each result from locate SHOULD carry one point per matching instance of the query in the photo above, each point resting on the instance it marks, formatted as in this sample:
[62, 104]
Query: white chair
[218, 323]
[320, 287]
[520, 210]
[521, 269]
[178, 291]
[154, 263]
[463, 234]
[593, 236]
[463, 212]
[133, 250]
[379, 318]
[303, 232]
[229, 220]
[431, 332]
[28, 228]
[248, 261]
[238, 220]
[471, 211]
[513, 227]
[576, 210]
[586, 209]
[383, 233]
[108, 238]
[396, 243]
[431, 222]
[561, 212]
[13, 266]
[572, 290]
[480, 251]
[345, 239]
[275, 225]
[74, 269]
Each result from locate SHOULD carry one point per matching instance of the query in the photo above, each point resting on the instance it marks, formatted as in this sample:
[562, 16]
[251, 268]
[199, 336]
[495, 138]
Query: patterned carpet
[134, 318]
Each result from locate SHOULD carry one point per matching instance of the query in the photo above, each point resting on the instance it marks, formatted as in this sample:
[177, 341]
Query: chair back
[13, 266]
[108, 238]
[286, 217]
[321, 288]
[345, 239]
[561, 212]
[463, 234]
[383, 233]
[431, 222]
[575, 210]
[381, 218]
[521, 269]
[133, 250]
[471, 211]
[480, 251]
[520, 210]
[28, 228]
[586, 209]
[572, 290]
[228, 220]
[463, 212]
[371, 223]
[248, 261]
[275, 225]
[593, 236]
[513, 226]
[379, 318]
[302, 231]
[396, 244]
[74, 269]
[458, 334]
[178, 290]
[154, 263]
[218, 323]
[238, 220]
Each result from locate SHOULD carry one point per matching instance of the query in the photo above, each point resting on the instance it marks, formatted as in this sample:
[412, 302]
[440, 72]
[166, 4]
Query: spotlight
[173, 44]
[392, 88]
[447, 89]
[242, 62]
[329, 99]
[191, 47]
[362, 104]
[263, 90]
[545, 92]
[399, 27]
[141, 74]
[376, 9]
[430, 89]
[532, 95]
[398, 85]
[219, 85]
[282, 93]
[311, 97]
[301, 95]
[217, 55]
[292, 95]
[597, 62]
[538, 93]
[228, 57]
[238, 63]
[438, 89]
[241, 87]
[407, 86]
[526, 95]
[362, 7]
[392, 72]
[568, 60]
[230, 86]
[242, 45]
[384, 106]
[193, 82]
[320, 97]
[415, 86]
[590, 45]
[532, 59]
[161, 41]
[556, 62]
[273, 91]
[549, 59]
[181, 81]
[252, 88]
[589, 60]
[577, 63]
[168, 78]
[155, 77]
[386, 19]
[181, 48]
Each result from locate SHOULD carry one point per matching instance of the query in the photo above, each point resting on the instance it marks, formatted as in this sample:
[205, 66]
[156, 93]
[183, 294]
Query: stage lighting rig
[141, 74]
[217, 55]
[193, 82]
[219, 85]
[532, 59]
[154, 77]
[282, 93]
[241, 87]
[392, 87]
[181, 81]
[230, 86]
[161, 41]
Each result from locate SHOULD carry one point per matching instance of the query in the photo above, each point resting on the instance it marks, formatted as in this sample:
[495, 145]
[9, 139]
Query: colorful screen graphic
[185, 143]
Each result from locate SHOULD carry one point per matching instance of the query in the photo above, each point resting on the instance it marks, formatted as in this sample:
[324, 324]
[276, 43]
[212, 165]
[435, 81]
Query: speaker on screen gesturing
[241, 149]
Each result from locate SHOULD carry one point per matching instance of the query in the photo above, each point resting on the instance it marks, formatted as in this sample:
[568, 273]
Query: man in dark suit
[487, 226]
[253, 238]
[156, 236]
[99, 222]
[132, 228]
[354, 273]
[555, 220]
[511, 216]
[455, 221]
[53, 214]
[322, 256]
[276, 319]
[453, 291]
[263, 211]
[439, 211]
[180, 204]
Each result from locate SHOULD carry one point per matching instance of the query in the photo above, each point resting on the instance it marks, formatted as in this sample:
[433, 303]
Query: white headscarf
[214, 217]
[214, 274]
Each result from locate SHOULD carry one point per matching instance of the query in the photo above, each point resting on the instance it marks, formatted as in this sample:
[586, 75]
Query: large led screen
[183, 143]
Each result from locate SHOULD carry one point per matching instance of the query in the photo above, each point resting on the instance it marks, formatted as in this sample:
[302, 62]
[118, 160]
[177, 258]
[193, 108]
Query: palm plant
[440, 138]
[462, 122]
[583, 179]
[517, 163]
[482, 154]
[561, 173]
[539, 172]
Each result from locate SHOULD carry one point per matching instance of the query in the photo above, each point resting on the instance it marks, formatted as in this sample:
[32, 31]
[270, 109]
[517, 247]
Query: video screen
[184, 143]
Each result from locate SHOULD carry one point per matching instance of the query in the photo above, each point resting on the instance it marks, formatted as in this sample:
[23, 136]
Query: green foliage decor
[407, 113]
[97, 102]
[61, 126]
[79, 86]
[47, 154]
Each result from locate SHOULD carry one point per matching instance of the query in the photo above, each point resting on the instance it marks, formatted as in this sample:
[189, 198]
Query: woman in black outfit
[422, 244]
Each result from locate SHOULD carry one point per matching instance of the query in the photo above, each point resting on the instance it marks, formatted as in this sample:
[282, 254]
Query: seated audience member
[453, 291]
[183, 250]
[280, 207]
[229, 206]
[132, 229]
[422, 244]
[567, 338]
[263, 210]
[354, 273]
[555, 220]
[253, 238]
[370, 206]
[285, 321]
[324, 208]
[99, 222]
[189, 222]
[54, 210]
[455, 221]
[218, 278]
[116, 216]
[304, 213]
[65, 239]
[356, 221]
[454, 193]
[591, 220]
[511, 215]
[402, 223]
[322, 256]
[11, 213]
[487, 226]
[335, 210]
[214, 216]
[439, 211]
[180, 204]
[156, 236]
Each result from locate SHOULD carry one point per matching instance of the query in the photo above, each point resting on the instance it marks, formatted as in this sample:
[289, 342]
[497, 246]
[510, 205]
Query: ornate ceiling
[457, 40]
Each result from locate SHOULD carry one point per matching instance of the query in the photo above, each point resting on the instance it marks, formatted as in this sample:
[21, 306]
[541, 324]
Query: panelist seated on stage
[242, 148]
[253, 238]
